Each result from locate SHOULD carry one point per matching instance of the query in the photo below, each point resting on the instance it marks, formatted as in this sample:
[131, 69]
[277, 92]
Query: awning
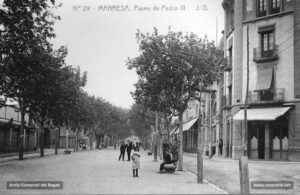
[261, 114]
[264, 78]
[173, 131]
[187, 125]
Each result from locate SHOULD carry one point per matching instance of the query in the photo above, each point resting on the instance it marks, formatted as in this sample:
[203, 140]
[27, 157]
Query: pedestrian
[122, 150]
[165, 147]
[221, 146]
[128, 149]
[135, 163]
[137, 146]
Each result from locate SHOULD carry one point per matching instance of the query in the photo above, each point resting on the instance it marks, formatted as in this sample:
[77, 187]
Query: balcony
[227, 64]
[262, 97]
[260, 56]
[226, 101]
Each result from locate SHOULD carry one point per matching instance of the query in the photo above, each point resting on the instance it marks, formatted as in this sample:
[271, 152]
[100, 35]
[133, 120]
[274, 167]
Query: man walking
[122, 150]
[221, 146]
[129, 148]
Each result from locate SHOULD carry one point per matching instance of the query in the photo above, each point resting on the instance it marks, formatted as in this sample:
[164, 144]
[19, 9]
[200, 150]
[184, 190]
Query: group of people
[170, 154]
[135, 157]
[128, 148]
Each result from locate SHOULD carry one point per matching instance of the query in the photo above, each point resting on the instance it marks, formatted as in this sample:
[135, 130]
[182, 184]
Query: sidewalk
[150, 181]
[225, 173]
[100, 172]
[33, 154]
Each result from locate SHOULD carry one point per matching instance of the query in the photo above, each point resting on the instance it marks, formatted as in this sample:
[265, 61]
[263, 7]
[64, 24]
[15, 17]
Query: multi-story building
[272, 29]
[10, 122]
[190, 127]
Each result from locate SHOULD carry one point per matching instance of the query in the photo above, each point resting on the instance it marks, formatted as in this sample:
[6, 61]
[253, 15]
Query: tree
[173, 69]
[69, 109]
[141, 119]
[46, 96]
[25, 28]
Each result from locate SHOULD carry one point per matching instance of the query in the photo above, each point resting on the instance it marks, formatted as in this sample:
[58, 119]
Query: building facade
[10, 122]
[271, 29]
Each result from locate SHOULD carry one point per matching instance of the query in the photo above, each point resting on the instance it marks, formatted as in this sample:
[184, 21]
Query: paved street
[225, 173]
[100, 172]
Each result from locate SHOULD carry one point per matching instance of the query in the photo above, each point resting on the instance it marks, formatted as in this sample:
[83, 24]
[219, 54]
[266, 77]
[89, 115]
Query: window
[274, 6]
[249, 5]
[232, 18]
[267, 43]
[261, 8]
[230, 95]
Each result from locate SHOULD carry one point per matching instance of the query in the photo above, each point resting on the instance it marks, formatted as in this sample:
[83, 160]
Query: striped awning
[261, 114]
[187, 126]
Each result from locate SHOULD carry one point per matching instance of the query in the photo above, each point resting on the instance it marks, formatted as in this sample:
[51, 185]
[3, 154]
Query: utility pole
[243, 162]
[200, 145]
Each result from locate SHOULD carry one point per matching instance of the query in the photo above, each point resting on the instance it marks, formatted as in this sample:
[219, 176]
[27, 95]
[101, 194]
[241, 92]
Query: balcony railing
[228, 64]
[266, 96]
[265, 56]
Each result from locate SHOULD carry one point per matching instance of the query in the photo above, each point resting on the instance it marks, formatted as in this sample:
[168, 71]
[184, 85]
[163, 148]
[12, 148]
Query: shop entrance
[256, 139]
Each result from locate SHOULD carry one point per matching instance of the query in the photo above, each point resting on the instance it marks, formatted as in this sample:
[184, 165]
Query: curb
[221, 159]
[205, 181]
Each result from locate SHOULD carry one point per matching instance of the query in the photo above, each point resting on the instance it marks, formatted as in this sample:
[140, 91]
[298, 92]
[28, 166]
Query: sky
[101, 39]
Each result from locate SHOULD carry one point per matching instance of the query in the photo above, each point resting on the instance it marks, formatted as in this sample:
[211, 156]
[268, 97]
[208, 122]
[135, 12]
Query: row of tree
[35, 75]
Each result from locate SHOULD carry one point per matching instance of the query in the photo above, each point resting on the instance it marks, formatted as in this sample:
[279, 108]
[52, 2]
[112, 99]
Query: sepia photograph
[150, 97]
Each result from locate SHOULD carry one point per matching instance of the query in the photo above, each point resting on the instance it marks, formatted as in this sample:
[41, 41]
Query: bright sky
[101, 41]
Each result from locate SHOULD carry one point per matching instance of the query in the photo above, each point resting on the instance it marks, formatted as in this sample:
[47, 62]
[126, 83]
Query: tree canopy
[173, 68]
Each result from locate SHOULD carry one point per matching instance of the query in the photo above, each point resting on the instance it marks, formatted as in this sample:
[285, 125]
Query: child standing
[135, 163]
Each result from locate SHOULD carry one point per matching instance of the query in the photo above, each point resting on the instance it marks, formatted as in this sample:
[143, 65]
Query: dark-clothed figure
[167, 160]
[136, 147]
[221, 146]
[129, 148]
[122, 151]
[165, 148]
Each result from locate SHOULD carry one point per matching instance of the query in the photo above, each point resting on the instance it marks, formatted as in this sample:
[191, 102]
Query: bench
[170, 168]
[67, 151]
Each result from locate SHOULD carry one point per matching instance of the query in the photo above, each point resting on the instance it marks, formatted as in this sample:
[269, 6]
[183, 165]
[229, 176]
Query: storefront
[268, 132]
[190, 133]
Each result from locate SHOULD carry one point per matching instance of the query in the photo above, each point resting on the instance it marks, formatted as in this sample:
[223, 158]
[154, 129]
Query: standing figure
[221, 146]
[129, 148]
[137, 146]
[135, 163]
[122, 151]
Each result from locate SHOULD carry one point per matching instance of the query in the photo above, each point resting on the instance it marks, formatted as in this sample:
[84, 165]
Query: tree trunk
[76, 141]
[21, 140]
[180, 142]
[56, 140]
[144, 142]
[155, 138]
[91, 139]
[42, 140]
[167, 126]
